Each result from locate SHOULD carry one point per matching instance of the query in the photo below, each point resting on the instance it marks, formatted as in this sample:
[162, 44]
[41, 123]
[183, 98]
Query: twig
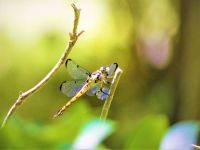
[195, 147]
[107, 103]
[24, 95]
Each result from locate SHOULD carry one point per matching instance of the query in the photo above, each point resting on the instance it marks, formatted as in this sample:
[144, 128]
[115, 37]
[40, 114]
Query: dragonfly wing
[112, 69]
[70, 88]
[103, 93]
[76, 71]
[93, 90]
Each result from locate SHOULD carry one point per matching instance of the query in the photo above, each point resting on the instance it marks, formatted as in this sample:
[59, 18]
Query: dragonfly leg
[107, 82]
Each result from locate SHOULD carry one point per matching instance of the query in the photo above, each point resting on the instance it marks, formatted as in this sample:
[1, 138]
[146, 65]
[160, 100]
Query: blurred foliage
[151, 129]
[20, 134]
[155, 43]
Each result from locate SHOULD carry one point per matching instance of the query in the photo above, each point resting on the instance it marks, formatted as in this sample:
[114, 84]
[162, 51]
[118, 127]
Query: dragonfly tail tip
[55, 116]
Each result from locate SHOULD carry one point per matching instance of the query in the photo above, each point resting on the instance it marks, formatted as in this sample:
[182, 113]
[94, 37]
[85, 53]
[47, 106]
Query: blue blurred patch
[181, 136]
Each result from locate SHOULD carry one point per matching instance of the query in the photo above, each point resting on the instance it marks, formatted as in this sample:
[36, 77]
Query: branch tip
[81, 32]
[73, 5]
[75, 8]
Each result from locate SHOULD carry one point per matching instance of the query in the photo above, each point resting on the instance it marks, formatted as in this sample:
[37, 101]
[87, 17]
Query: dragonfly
[96, 83]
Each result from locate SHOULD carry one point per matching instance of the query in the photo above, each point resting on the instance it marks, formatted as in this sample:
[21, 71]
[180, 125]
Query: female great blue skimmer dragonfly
[96, 83]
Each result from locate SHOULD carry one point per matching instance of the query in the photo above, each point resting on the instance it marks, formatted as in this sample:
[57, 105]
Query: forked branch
[107, 103]
[24, 95]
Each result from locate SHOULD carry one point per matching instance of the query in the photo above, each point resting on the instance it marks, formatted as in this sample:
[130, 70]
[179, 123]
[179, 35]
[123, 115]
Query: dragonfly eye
[107, 69]
[103, 69]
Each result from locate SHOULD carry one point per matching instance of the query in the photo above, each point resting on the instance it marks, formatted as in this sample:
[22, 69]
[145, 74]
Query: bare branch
[76, 19]
[24, 95]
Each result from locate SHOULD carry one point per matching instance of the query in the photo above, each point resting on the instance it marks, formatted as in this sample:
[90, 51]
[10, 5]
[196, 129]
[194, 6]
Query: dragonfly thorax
[99, 76]
[104, 69]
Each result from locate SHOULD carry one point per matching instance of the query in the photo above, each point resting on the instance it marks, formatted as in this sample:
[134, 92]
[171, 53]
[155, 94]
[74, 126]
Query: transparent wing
[76, 71]
[70, 88]
[103, 93]
[112, 69]
[93, 90]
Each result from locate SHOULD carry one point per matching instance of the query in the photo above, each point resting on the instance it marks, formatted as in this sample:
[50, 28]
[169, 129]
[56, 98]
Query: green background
[156, 44]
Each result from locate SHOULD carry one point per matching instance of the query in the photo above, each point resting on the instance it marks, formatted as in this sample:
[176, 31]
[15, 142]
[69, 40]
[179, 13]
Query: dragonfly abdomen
[83, 90]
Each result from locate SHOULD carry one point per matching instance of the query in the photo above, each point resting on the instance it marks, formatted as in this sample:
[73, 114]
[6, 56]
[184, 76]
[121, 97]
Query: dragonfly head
[104, 70]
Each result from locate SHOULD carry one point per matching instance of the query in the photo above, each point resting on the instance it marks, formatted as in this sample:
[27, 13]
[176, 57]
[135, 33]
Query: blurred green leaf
[147, 133]
[141, 36]
[21, 134]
